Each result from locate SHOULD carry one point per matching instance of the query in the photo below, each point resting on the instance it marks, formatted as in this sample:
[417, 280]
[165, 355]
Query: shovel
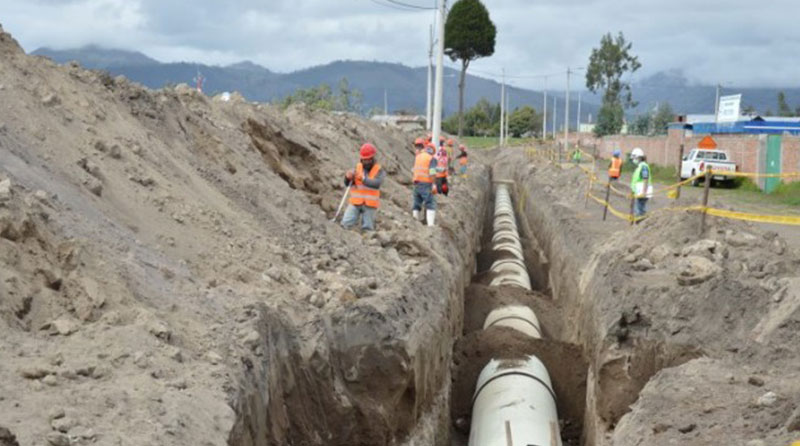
[341, 203]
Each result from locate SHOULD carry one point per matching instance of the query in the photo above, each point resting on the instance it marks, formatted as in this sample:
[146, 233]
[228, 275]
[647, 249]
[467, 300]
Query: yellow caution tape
[760, 175]
[761, 218]
[623, 215]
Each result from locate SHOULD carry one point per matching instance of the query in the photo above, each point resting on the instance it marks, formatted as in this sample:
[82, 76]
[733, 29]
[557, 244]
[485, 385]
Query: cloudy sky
[733, 42]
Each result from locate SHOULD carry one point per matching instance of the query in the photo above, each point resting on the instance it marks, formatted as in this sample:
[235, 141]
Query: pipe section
[518, 317]
[514, 405]
[506, 240]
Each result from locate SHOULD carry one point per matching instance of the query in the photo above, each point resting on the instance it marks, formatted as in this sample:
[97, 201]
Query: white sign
[729, 108]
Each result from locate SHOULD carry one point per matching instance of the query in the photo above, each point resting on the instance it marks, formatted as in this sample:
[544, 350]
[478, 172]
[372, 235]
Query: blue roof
[758, 125]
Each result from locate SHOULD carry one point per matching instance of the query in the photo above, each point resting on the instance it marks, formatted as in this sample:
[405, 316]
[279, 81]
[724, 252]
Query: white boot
[431, 216]
[415, 214]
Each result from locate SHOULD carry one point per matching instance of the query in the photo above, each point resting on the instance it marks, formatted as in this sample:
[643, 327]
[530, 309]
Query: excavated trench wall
[376, 371]
[617, 370]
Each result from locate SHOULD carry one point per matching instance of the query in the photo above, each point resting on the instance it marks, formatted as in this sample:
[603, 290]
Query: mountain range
[403, 87]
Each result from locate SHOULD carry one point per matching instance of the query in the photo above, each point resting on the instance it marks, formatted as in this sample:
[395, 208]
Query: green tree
[783, 107]
[322, 97]
[607, 65]
[642, 124]
[524, 120]
[469, 34]
[662, 117]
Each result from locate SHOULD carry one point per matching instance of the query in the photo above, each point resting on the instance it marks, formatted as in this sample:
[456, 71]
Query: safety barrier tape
[761, 218]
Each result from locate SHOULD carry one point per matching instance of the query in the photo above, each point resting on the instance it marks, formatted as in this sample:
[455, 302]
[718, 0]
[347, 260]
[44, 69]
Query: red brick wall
[664, 150]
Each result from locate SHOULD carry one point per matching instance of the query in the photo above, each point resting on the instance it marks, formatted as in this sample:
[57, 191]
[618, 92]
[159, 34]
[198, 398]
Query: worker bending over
[424, 172]
[365, 193]
[641, 185]
[615, 168]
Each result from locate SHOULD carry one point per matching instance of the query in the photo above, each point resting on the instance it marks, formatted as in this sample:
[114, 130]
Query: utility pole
[428, 97]
[578, 121]
[502, 108]
[566, 118]
[385, 103]
[508, 111]
[544, 108]
[716, 104]
[437, 103]
[555, 110]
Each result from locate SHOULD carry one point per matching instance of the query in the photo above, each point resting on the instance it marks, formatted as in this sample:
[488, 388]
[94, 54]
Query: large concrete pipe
[510, 247]
[511, 279]
[514, 405]
[518, 317]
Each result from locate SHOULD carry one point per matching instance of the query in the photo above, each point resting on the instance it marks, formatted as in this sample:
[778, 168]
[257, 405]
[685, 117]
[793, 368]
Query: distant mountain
[404, 87]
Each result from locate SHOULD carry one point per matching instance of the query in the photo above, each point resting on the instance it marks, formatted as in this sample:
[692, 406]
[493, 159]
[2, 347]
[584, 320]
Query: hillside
[405, 87]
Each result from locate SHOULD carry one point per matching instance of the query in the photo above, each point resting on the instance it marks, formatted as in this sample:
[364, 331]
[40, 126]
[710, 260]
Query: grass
[487, 142]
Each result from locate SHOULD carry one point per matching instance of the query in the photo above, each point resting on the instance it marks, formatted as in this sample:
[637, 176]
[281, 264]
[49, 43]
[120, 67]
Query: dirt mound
[169, 273]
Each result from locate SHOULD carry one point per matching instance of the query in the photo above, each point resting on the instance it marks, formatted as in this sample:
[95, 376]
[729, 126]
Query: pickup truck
[698, 160]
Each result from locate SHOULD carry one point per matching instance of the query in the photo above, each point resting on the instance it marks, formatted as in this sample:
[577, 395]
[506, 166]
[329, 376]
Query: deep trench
[565, 362]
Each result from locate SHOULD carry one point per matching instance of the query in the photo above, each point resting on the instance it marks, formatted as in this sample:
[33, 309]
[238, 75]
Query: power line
[409, 5]
[389, 5]
[401, 6]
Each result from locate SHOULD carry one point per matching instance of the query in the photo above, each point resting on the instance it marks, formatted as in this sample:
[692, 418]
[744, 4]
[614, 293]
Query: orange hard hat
[441, 138]
[462, 147]
[368, 151]
[450, 142]
[419, 142]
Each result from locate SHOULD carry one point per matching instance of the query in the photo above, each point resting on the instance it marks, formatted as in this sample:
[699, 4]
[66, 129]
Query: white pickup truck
[698, 160]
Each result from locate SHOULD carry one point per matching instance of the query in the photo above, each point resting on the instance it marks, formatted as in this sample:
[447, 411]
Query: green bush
[788, 193]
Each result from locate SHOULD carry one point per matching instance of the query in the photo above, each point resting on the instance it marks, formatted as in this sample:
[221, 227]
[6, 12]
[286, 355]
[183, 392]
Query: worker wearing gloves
[424, 173]
[441, 171]
[615, 168]
[365, 194]
[462, 160]
[641, 184]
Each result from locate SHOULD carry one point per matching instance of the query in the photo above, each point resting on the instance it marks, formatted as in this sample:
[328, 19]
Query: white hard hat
[637, 153]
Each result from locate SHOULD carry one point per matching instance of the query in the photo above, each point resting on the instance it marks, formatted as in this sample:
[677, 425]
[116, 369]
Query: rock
[85, 371]
[100, 372]
[80, 432]
[115, 152]
[755, 381]
[140, 359]
[347, 295]
[251, 338]
[58, 439]
[56, 413]
[318, 300]
[642, 265]
[707, 248]
[767, 400]
[755, 443]
[660, 428]
[5, 190]
[175, 354]
[179, 384]
[660, 253]
[739, 239]
[687, 428]
[35, 372]
[50, 99]
[63, 327]
[63, 424]
[50, 380]
[695, 270]
[159, 329]
[778, 246]
[7, 438]
[779, 295]
[630, 258]
[213, 357]
[94, 185]
[793, 422]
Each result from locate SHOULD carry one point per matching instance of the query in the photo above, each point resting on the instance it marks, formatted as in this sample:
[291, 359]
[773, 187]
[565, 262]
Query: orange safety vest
[361, 194]
[462, 161]
[616, 168]
[422, 168]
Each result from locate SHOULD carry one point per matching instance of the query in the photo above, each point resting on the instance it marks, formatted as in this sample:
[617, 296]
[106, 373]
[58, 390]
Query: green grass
[788, 193]
[487, 142]
[660, 174]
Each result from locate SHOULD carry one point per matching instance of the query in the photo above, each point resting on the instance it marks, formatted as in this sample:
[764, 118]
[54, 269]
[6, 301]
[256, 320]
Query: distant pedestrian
[423, 177]
[576, 156]
[641, 183]
[462, 160]
[615, 168]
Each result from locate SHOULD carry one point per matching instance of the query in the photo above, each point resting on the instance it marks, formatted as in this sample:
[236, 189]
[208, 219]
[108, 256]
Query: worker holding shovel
[365, 195]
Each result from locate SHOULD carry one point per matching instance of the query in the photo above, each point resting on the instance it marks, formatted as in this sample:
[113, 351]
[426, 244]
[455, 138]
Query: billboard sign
[729, 107]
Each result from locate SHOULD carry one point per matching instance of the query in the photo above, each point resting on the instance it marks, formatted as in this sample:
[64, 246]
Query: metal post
[428, 97]
[566, 118]
[439, 90]
[680, 163]
[385, 102]
[716, 105]
[508, 113]
[633, 201]
[555, 107]
[608, 196]
[502, 107]
[544, 114]
[706, 189]
[578, 119]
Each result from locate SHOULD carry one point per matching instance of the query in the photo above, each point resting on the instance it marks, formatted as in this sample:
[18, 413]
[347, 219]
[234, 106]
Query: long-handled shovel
[344, 197]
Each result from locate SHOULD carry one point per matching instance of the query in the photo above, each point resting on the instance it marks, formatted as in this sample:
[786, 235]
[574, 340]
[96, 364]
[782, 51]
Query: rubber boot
[431, 217]
[415, 214]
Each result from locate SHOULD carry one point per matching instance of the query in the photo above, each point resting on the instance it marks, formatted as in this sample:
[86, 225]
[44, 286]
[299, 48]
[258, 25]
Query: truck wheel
[696, 181]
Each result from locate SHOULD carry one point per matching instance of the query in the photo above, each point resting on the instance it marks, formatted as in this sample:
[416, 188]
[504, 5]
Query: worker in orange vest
[424, 173]
[419, 145]
[615, 169]
[365, 193]
[462, 160]
[441, 171]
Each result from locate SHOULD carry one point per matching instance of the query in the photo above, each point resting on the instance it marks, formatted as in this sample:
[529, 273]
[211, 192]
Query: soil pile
[169, 274]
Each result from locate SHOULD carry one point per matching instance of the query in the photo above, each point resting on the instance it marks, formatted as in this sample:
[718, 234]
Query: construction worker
[576, 156]
[462, 160]
[424, 173]
[419, 145]
[365, 194]
[441, 171]
[615, 168]
[641, 185]
[450, 155]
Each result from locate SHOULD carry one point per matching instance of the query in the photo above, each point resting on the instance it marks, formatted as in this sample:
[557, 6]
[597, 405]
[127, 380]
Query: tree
[469, 34]
[783, 107]
[607, 65]
[524, 120]
[323, 98]
[642, 124]
[662, 117]
[748, 110]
